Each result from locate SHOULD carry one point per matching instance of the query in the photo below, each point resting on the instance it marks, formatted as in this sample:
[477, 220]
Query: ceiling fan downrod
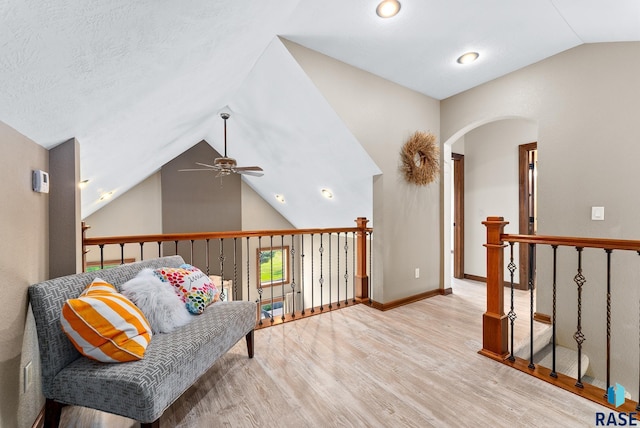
[225, 116]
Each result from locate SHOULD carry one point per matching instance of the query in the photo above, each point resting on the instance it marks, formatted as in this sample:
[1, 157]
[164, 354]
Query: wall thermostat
[40, 181]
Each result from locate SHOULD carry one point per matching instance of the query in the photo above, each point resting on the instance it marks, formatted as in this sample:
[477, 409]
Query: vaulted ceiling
[138, 83]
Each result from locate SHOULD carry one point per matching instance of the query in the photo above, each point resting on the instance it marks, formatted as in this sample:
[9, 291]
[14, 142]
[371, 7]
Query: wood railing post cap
[361, 221]
[494, 220]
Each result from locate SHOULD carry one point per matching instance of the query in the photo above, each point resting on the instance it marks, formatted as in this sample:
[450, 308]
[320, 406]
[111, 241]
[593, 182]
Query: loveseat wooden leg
[154, 424]
[250, 343]
[52, 412]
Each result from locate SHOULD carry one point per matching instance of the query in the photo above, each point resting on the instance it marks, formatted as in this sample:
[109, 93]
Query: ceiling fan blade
[207, 165]
[252, 173]
[196, 169]
[247, 168]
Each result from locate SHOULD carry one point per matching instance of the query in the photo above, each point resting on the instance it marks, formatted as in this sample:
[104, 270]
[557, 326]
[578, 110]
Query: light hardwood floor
[414, 366]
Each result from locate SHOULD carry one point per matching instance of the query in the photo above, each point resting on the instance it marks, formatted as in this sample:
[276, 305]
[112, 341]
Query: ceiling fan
[226, 165]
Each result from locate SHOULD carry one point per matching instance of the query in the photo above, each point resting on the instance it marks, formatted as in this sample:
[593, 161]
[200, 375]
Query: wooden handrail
[569, 241]
[360, 278]
[494, 333]
[170, 237]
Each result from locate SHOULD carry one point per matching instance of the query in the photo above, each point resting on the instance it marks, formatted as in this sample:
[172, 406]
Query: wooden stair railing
[352, 271]
[495, 323]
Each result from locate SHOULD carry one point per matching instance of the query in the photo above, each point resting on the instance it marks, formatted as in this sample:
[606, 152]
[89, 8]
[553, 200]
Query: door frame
[458, 215]
[524, 210]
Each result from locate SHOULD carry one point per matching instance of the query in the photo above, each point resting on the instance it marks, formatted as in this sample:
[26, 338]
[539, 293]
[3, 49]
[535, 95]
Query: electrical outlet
[27, 374]
[417, 273]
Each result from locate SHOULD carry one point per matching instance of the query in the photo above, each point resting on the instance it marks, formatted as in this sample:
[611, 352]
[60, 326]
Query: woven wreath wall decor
[420, 157]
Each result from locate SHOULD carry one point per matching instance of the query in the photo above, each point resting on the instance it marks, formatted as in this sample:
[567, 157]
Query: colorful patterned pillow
[194, 287]
[104, 325]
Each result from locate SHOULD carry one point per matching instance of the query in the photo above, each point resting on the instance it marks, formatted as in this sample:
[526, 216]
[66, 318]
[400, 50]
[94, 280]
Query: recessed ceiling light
[280, 198]
[106, 196]
[388, 8]
[468, 58]
[327, 193]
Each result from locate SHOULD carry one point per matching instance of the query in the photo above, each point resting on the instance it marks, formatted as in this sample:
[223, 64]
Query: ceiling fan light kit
[226, 165]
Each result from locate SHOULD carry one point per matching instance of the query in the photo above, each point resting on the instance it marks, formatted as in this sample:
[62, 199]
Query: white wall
[586, 102]
[382, 115]
[492, 184]
[136, 212]
[257, 214]
[24, 260]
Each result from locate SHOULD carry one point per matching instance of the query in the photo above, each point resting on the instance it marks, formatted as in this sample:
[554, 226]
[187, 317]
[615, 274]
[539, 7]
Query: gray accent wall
[199, 202]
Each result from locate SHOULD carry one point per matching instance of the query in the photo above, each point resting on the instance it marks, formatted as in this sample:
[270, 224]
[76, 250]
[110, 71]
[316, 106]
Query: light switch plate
[597, 213]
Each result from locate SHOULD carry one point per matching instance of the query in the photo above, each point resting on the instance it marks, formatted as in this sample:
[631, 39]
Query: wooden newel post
[494, 321]
[362, 280]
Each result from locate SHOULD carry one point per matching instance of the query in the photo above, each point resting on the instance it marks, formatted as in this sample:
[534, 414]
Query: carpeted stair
[566, 359]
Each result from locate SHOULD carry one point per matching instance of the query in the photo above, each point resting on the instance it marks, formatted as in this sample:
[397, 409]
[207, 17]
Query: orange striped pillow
[104, 325]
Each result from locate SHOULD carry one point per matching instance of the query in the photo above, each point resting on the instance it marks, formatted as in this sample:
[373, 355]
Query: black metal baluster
[608, 322]
[330, 299]
[235, 269]
[353, 266]
[293, 277]
[553, 327]
[512, 314]
[321, 281]
[338, 269]
[284, 274]
[302, 282]
[271, 274]
[346, 268]
[223, 293]
[312, 285]
[191, 253]
[578, 335]
[207, 257]
[101, 256]
[141, 251]
[122, 253]
[532, 249]
[159, 249]
[248, 275]
[176, 242]
[259, 281]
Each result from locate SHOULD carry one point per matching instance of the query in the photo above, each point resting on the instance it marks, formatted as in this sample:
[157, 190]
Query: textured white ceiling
[137, 83]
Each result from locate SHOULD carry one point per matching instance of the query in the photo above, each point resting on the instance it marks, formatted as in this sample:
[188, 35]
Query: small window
[273, 266]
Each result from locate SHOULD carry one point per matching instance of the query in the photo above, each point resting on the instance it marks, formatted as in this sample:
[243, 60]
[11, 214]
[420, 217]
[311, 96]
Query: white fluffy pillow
[163, 308]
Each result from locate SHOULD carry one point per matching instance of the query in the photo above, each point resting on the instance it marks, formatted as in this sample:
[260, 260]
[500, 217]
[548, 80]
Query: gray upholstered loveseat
[140, 390]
